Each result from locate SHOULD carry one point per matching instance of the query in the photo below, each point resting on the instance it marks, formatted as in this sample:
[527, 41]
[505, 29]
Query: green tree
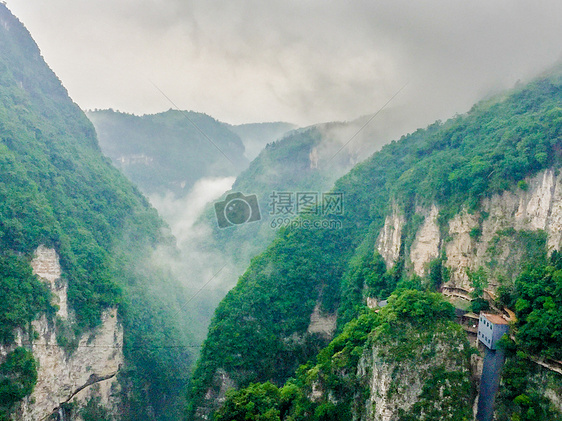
[18, 375]
[257, 402]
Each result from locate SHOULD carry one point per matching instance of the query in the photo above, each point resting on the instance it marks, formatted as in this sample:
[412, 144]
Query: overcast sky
[299, 61]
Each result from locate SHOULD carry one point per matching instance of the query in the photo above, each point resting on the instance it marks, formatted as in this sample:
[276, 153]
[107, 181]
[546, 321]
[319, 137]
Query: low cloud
[303, 62]
[181, 214]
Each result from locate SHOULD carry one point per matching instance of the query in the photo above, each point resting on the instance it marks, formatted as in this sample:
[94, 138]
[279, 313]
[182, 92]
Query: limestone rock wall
[46, 265]
[395, 386]
[390, 238]
[323, 324]
[426, 244]
[69, 377]
[470, 238]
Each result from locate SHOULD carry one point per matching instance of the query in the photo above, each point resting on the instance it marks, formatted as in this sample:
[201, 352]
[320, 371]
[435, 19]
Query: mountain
[211, 258]
[469, 208]
[304, 162]
[412, 351]
[90, 322]
[168, 151]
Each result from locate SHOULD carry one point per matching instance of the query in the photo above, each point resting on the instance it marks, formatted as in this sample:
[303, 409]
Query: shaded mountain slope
[256, 136]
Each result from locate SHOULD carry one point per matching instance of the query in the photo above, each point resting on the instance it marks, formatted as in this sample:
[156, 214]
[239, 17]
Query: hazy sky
[299, 61]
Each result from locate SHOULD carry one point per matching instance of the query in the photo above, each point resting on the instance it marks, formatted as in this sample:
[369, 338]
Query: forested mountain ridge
[168, 151]
[89, 235]
[412, 211]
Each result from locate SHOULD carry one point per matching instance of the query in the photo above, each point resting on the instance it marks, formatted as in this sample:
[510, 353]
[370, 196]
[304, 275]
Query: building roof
[495, 319]
[471, 315]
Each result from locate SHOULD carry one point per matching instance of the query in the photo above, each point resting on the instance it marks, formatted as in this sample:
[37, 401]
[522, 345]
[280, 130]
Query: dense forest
[259, 332]
[412, 322]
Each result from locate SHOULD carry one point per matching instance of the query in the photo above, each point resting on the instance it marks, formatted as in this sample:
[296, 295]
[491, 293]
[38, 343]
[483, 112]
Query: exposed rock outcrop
[484, 238]
[426, 244]
[216, 394]
[46, 265]
[323, 324]
[73, 376]
[421, 372]
[390, 239]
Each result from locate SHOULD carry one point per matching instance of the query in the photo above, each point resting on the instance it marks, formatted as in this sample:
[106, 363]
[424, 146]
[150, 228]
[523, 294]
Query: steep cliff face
[390, 238]
[486, 238]
[322, 324]
[536, 206]
[498, 237]
[426, 244]
[417, 374]
[67, 379]
[46, 265]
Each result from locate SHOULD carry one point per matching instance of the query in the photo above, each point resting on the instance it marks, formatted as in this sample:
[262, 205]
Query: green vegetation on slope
[408, 332]
[522, 394]
[453, 164]
[18, 375]
[168, 151]
[536, 298]
[538, 307]
[22, 296]
[237, 341]
[282, 166]
[57, 189]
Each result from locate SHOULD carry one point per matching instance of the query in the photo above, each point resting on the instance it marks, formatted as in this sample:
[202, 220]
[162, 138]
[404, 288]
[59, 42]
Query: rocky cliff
[497, 238]
[486, 238]
[407, 362]
[417, 374]
[68, 378]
